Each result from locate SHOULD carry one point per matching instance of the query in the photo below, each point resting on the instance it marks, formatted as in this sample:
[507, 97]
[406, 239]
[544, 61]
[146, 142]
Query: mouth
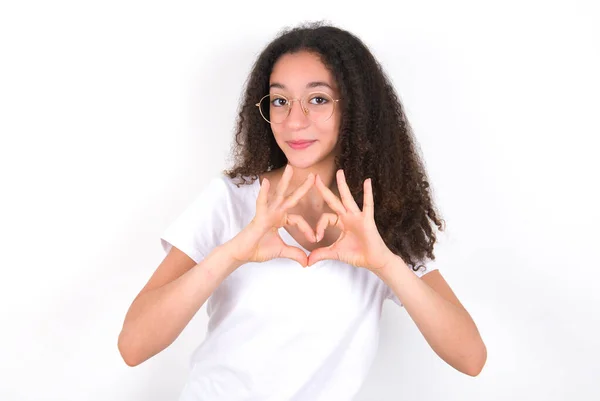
[300, 144]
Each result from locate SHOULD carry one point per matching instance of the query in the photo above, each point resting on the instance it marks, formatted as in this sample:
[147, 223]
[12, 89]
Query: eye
[318, 99]
[278, 101]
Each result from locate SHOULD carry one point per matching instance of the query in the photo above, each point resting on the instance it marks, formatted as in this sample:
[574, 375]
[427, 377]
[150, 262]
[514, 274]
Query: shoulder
[239, 189]
[230, 199]
[220, 209]
[221, 196]
[221, 187]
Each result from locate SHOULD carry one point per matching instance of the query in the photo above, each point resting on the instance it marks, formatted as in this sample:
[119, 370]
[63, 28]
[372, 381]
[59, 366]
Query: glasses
[317, 106]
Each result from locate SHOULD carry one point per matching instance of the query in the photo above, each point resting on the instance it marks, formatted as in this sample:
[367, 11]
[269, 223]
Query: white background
[114, 115]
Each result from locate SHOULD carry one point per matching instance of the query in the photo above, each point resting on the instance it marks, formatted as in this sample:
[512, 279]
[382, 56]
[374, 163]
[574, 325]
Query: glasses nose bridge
[291, 102]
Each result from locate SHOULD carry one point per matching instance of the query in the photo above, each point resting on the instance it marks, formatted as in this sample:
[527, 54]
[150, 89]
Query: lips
[302, 144]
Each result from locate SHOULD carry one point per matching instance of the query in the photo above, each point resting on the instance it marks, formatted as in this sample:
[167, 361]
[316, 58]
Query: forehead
[294, 71]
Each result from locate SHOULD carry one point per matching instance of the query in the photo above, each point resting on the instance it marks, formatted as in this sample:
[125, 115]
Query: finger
[294, 253]
[321, 254]
[345, 194]
[327, 219]
[333, 201]
[368, 204]
[295, 197]
[304, 227]
[286, 177]
[261, 200]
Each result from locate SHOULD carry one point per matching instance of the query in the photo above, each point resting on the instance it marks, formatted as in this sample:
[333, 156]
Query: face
[306, 140]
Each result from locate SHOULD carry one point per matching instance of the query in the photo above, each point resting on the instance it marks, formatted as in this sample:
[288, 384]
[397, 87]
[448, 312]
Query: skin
[292, 76]
[333, 227]
[311, 200]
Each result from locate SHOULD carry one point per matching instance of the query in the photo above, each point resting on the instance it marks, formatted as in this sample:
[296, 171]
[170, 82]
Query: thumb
[294, 253]
[321, 254]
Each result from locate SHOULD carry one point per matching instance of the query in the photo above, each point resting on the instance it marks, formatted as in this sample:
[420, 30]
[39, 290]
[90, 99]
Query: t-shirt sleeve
[203, 225]
[423, 270]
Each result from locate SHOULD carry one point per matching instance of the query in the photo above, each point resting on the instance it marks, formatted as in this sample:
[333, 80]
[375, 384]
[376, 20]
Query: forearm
[447, 327]
[157, 317]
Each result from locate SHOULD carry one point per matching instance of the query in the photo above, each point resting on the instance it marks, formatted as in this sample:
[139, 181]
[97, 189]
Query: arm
[443, 321]
[429, 301]
[172, 296]
[179, 286]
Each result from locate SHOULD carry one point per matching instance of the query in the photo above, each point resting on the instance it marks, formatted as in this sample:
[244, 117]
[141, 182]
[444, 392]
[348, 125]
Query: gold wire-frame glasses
[316, 112]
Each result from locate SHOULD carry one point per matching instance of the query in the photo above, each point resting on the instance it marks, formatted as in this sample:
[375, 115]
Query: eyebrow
[309, 85]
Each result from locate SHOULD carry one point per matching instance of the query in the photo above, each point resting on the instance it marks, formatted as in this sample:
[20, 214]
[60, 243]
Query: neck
[313, 199]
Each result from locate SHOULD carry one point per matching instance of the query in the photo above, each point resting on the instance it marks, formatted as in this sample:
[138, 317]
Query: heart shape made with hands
[296, 225]
[326, 221]
[359, 242]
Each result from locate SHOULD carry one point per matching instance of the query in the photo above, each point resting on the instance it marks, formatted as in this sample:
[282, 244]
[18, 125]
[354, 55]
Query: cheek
[331, 130]
[331, 134]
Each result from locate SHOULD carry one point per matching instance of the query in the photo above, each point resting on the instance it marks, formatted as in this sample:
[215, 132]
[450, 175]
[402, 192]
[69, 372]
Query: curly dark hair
[376, 139]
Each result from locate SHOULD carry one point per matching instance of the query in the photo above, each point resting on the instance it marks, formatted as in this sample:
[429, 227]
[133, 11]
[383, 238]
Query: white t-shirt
[276, 331]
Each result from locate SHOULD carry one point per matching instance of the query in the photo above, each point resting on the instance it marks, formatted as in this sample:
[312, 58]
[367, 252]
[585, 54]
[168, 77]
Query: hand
[260, 240]
[360, 243]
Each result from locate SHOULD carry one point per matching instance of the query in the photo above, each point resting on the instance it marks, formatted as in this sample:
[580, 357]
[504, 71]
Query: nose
[297, 117]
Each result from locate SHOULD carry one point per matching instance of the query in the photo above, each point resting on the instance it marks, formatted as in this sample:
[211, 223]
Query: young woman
[326, 213]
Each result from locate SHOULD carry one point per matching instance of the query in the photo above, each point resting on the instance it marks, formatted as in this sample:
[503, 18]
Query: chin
[307, 161]
[301, 163]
